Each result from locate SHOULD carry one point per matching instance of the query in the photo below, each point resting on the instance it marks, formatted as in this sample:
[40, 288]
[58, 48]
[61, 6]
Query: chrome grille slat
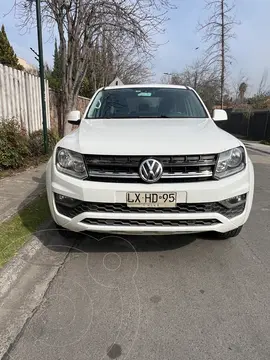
[126, 168]
[112, 175]
[187, 175]
[171, 164]
[165, 175]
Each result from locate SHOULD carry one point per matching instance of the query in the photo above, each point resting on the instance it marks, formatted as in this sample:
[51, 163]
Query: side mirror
[220, 115]
[74, 117]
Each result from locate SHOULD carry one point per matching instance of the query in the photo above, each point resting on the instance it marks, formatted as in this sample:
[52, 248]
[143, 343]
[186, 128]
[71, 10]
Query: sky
[250, 49]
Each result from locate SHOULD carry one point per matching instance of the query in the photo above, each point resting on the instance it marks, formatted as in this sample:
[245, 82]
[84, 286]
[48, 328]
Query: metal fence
[254, 127]
[20, 98]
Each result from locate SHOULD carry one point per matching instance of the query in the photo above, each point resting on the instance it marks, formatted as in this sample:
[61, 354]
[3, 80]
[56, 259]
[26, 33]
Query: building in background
[31, 69]
[116, 82]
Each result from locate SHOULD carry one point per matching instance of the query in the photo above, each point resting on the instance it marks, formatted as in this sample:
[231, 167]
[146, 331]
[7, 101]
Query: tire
[230, 234]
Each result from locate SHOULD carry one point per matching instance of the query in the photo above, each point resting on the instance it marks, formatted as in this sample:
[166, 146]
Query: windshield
[146, 103]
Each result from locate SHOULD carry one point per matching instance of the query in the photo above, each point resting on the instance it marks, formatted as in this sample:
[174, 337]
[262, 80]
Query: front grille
[127, 222]
[126, 168]
[210, 207]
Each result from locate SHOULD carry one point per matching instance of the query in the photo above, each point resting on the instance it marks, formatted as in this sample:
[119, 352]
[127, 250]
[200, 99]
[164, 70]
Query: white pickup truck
[149, 159]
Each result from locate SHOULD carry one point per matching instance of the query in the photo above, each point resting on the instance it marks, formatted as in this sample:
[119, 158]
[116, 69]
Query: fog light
[66, 200]
[234, 201]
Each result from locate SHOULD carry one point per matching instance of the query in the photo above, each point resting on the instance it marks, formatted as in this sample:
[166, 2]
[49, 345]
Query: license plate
[156, 200]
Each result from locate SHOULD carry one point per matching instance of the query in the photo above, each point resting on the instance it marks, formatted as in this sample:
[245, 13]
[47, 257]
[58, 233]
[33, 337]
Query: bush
[18, 150]
[35, 142]
[13, 145]
[265, 142]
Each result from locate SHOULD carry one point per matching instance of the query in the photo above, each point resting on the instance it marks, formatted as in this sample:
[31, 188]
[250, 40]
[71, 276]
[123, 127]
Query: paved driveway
[155, 298]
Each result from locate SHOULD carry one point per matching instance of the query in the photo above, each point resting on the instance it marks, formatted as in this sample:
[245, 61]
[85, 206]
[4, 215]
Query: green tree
[7, 54]
[54, 75]
[259, 101]
[242, 90]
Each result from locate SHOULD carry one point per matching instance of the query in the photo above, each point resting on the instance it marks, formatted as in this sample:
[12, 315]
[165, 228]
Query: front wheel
[230, 234]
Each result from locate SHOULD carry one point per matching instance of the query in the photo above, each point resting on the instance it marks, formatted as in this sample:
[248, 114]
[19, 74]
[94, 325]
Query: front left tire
[230, 234]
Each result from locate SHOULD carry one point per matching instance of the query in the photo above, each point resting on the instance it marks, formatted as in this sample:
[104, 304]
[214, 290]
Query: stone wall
[55, 112]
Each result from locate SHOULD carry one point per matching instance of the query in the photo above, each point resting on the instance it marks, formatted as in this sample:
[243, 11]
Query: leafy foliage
[7, 54]
[259, 101]
[35, 142]
[17, 149]
[265, 142]
[242, 90]
[54, 75]
[13, 145]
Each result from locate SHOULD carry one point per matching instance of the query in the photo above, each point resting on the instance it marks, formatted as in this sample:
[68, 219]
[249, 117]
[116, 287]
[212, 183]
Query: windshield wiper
[151, 117]
[133, 117]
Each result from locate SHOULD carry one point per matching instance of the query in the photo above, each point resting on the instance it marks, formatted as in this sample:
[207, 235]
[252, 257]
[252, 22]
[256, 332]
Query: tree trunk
[68, 126]
[222, 55]
[241, 95]
[195, 81]
[69, 103]
[60, 114]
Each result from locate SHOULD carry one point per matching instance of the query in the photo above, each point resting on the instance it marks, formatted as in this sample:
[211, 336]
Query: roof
[116, 82]
[147, 86]
[25, 64]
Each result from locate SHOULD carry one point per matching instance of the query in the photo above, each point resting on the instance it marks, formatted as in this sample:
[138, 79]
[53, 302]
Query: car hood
[149, 137]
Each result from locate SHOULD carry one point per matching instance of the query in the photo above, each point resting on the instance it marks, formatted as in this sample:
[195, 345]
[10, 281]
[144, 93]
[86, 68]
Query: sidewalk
[19, 190]
[254, 145]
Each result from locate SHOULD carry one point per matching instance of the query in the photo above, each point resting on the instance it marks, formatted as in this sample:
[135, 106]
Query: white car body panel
[141, 136]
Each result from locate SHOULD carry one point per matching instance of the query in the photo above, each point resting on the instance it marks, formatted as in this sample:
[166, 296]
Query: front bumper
[150, 223]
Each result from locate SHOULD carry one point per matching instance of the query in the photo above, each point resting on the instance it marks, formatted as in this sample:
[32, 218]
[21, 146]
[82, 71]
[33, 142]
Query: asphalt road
[158, 297]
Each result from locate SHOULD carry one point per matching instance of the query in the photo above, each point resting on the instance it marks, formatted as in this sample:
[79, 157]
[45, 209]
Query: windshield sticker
[145, 94]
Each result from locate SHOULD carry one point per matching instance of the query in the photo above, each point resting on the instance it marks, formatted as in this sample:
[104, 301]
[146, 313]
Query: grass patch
[16, 231]
[265, 142]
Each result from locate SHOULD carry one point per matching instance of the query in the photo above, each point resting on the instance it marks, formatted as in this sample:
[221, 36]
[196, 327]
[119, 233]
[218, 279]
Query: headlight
[230, 162]
[71, 163]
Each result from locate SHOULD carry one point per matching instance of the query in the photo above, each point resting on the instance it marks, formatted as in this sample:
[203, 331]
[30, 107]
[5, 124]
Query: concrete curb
[20, 189]
[13, 211]
[10, 273]
[24, 281]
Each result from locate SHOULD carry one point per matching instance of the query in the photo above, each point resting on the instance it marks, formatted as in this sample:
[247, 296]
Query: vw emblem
[150, 170]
